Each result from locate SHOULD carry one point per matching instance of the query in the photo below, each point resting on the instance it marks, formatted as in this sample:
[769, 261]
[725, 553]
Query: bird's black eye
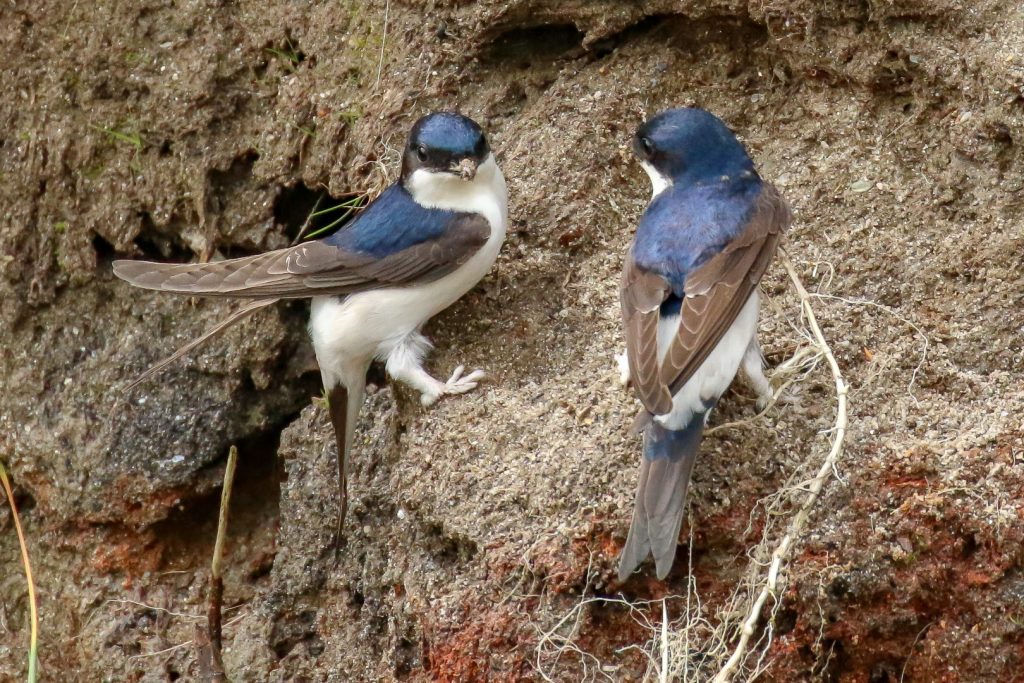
[421, 152]
[646, 145]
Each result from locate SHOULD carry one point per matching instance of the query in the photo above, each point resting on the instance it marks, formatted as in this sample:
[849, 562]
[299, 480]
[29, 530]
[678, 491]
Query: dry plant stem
[383, 43]
[33, 646]
[814, 488]
[663, 678]
[216, 595]
[308, 221]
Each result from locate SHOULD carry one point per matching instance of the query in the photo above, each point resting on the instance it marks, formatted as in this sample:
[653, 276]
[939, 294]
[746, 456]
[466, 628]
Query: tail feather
[202, 339]
[661, 496]
[344, 403]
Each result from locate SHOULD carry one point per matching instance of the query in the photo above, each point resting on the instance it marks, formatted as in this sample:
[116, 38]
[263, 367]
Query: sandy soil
[483, 533]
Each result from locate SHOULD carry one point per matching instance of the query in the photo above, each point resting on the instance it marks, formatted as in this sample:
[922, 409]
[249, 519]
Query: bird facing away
[422, 244]
[690, 306]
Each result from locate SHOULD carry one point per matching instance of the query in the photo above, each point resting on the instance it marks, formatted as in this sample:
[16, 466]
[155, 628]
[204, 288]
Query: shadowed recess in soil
[189, 532]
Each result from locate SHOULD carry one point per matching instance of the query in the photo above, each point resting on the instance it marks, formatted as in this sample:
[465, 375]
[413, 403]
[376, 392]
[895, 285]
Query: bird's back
[685, 225]
[394, 221]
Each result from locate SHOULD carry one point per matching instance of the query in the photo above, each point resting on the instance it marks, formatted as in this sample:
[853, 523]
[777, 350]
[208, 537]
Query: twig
[814, 489]
[33, 642]
[663, 678]
[308, 221]
[383, 42]
[890, 311]
[216, 594]
[903, 671]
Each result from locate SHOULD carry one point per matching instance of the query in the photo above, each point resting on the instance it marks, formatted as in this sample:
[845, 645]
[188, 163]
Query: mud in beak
[466, 169]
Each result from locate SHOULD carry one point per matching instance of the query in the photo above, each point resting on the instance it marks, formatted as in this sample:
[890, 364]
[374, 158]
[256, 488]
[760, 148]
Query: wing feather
[314, 268]
[641, 296]
[716, 292]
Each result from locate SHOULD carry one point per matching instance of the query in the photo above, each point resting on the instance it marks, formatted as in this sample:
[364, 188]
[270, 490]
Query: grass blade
[33, 647]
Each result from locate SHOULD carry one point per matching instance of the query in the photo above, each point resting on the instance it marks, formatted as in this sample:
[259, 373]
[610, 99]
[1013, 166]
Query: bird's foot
[784, 398]
[456, 384]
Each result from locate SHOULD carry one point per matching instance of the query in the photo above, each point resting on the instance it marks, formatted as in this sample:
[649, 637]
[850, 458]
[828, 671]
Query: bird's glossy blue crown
[450, 133]
[691, 145]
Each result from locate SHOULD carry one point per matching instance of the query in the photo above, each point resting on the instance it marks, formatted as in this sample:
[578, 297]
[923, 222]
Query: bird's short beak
[466, 169]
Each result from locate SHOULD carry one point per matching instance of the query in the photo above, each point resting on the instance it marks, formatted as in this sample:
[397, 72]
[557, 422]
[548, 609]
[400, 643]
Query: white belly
[350, 332]
[716, 373]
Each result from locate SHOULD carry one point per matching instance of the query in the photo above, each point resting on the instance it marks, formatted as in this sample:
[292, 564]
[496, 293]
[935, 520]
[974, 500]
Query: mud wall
[192, 130]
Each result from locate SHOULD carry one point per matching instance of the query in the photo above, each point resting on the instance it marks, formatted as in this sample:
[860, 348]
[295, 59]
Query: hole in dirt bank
[295, 204]
[236, 175]
[526, 46]
[884, 672]
[448, 549]
[290, 630]
[23, 501]
[839, 588]
[189, 532]
[408, 656]
[158, 245]
[105, 252]
[691, 35]
[785, 621]
[832, 662]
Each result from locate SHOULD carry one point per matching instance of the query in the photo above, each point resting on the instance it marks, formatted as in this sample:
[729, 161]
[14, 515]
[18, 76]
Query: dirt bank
[483, 532]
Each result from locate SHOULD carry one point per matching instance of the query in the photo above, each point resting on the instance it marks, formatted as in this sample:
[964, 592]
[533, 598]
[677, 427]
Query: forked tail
[344, 402]
[661, 496]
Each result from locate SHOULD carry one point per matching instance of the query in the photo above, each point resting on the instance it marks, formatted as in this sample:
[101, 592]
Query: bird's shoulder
[684, 226]
[395, 222]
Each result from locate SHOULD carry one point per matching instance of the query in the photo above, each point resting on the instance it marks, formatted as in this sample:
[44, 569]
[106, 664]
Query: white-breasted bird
[690, 306]
[422, 244]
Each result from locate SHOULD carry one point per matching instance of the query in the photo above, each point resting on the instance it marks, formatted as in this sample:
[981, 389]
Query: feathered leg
[753, 368]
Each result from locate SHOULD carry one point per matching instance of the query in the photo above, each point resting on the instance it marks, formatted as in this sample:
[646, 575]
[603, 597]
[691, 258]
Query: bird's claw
[456, 384]
[782, 399]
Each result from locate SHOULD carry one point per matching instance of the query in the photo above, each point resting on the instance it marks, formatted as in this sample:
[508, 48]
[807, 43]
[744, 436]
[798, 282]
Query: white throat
[439, 190]
[659, 182]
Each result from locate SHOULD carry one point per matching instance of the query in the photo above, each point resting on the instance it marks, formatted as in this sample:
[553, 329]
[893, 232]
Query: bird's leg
[622, 361]
[405, 363]
[753, 369]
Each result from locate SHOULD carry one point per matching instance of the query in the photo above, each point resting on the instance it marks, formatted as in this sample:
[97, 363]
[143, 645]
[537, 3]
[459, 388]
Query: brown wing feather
[313, 268]
[641, 295]
[717, 291]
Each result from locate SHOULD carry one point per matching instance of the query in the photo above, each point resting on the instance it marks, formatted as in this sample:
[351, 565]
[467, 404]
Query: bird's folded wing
[716, 291]
[314, 268]
[641, 296]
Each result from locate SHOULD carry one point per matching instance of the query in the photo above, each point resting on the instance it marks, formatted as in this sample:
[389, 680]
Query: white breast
[716, 373]
[659, 182]
[368, 324]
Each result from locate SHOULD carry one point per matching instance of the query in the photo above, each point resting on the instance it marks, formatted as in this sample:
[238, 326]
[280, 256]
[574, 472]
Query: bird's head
[445, 143]
[689, 146]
